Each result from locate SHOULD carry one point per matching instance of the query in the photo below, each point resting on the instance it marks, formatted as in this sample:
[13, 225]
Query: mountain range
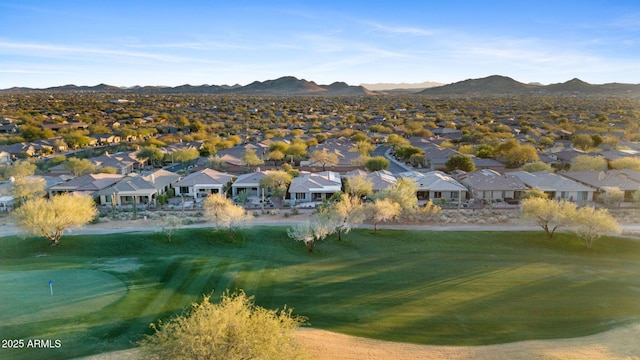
[289, 85]
[502, 85]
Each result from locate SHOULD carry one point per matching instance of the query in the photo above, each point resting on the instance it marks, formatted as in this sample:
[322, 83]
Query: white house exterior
[5, 158]
[129, 191]
[312, 187]
[200, 184]
[436, 185]
[6, 199]
[491, 186]
[626, 180]
[88, 184]
[556, 186]
[249, 183]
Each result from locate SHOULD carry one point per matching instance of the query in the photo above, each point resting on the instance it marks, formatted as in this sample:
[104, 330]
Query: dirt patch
[617, 344]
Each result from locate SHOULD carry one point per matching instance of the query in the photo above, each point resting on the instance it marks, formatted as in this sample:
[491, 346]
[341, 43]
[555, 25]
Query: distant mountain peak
[498, 84]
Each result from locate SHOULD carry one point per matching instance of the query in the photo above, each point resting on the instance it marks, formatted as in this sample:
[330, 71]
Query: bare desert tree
[316, 229]
[170, 224]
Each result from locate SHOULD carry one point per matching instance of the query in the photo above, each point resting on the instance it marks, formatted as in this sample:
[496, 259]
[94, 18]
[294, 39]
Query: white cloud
[65, 51]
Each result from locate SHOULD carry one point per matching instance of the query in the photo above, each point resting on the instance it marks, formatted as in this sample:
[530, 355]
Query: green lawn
[457, 288]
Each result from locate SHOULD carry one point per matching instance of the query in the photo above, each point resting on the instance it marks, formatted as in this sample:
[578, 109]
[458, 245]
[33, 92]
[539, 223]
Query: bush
[235, 328]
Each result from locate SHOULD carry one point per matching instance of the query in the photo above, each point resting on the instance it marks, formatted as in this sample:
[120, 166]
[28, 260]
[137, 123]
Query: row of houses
[308, 189]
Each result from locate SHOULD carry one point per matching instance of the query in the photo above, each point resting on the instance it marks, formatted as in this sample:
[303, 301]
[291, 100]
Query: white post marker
[51, 287]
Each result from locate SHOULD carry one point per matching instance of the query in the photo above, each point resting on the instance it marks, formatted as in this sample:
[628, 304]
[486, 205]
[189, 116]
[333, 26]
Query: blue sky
[126, 43]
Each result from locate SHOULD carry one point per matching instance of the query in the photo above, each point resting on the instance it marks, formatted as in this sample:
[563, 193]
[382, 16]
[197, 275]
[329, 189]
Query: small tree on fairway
[318, 228]
[49, 218]
[169, 225]
[344, 213]
[224, 213]
[590, 224]
[549, 214]
[303, 232]
[382, 210]
[233, 329]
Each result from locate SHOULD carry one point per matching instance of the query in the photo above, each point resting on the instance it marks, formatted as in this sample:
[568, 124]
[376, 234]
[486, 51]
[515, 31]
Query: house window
[300, 196]
[564, 194]
[184, 190]
[582, 196]
[437, 194]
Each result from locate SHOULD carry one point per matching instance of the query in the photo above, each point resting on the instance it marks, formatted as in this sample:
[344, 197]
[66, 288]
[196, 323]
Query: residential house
[123, 162]
[5, 158]
[162, 180]
[137, 189]
[232, 157]
[556, 186]
[619, 154]
[7, 126]
[314, 187]
[625, 180]
[201, 184]
[565, 157]
[447, 133]
[436, 185]
[482, 163]
[130, 190]
[88, 184]
[73, 124]
[248, 183]
[491, 186]
[341, 147]
[107, 139]
[56, 144]
[7, 200]
[380, 180]
[19, 149]
[436, 156]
